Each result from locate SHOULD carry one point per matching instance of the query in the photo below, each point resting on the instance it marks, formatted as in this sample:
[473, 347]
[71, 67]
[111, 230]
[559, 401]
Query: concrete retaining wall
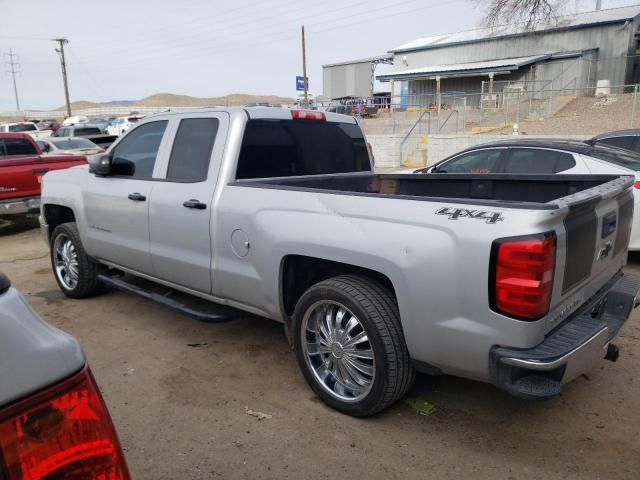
[386, 148]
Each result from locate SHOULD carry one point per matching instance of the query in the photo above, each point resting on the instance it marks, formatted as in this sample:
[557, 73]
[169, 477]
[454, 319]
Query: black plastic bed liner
[528, 191]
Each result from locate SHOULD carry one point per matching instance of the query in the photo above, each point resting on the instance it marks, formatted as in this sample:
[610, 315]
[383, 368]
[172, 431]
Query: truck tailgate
[593, 246]
[21, 176]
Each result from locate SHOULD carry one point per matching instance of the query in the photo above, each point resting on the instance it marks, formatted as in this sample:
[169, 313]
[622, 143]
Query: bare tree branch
[529, 13]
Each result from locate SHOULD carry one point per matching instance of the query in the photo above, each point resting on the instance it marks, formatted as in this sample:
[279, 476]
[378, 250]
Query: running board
[195, 307]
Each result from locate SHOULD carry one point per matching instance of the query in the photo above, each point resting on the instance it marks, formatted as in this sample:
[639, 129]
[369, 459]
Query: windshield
[22, 127]
[73, 143]
[617, 156]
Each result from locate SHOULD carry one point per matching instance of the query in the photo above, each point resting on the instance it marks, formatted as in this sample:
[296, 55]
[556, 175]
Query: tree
[529, 13]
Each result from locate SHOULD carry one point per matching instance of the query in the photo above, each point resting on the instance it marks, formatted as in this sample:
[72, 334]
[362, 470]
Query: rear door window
[620, 142]
[16, 146]
[191, 153]
[135, 156]
[479, 161]
[537, 161]
[283, 148]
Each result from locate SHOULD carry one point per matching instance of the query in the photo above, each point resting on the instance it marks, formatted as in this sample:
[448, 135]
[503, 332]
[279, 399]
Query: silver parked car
[53, 421]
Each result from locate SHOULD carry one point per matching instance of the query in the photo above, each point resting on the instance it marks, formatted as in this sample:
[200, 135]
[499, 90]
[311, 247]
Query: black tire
[376, 309]
[88, 284]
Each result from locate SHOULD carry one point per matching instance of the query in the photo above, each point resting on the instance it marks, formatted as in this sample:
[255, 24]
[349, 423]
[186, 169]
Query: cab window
[135, 156]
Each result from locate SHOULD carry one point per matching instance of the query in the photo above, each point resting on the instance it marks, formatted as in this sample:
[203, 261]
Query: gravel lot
[179, 390]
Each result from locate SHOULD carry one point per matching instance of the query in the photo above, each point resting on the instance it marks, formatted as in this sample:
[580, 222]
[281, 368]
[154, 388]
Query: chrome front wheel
[65, 259]
[337, 349]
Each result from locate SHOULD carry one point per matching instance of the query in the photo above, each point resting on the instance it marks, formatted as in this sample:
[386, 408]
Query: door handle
[40, 170]
[196, 204]
[136, 197]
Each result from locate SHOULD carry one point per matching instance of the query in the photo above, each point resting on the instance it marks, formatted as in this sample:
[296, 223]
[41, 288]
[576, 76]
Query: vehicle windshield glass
[283, 148]
[617, 156]
[73, 143]
[87, 131]
[22, 127]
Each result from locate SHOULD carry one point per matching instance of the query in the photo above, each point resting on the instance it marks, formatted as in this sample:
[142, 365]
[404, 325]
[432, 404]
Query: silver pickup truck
[511, 280]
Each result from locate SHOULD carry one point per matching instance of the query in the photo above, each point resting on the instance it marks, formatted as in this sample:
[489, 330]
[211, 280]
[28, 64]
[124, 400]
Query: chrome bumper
[19, 206]
[572, 349]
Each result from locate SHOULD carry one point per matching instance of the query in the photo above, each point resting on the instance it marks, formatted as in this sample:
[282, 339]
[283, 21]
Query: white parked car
[542, 157]
[75, 120]
[29, 128]
[121, 125]
[68, 145]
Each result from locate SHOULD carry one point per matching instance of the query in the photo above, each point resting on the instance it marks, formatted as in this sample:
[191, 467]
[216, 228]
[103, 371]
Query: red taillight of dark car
[521, 278]
[62, 433]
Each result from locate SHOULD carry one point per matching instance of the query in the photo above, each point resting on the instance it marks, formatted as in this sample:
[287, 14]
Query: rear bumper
[571, 349]
[19, 206]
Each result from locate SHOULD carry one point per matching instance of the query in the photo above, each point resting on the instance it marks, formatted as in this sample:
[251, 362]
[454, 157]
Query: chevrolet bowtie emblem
[605, 251]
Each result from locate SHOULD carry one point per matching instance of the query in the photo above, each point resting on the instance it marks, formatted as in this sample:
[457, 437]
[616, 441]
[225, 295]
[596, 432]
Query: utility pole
[63, 42]
[304, 71]
[13, 63]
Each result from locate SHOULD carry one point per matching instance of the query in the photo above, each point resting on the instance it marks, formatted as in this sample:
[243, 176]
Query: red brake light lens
[62, 433]
[636, 185]
[523, 270]
[308, 115]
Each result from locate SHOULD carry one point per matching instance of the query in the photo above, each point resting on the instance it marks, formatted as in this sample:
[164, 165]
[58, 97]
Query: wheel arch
[55, 215]
[299, 272]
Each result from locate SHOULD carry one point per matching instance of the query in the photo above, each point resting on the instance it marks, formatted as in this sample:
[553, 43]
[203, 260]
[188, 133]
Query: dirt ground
[178, 391]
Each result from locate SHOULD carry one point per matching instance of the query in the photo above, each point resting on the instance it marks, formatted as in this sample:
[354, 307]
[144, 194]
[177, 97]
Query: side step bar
[195, 307]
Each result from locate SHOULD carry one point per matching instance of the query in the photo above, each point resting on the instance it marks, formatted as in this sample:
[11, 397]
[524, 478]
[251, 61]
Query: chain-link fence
[512, 107]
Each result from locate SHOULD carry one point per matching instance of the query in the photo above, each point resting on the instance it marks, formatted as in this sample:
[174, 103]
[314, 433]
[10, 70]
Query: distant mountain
[173, 100]
[120, 103]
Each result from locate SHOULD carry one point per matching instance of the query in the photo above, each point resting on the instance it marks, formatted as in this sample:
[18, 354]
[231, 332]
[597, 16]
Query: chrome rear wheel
[338, 351]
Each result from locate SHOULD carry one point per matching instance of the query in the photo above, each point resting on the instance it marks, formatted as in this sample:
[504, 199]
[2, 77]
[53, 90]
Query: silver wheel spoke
[359, 338]
[361, 366]
[353, 352]
[341, 360]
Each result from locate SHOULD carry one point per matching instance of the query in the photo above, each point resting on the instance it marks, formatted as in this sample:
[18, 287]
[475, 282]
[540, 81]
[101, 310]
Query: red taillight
[636, 185]
[523, 271]
[61, 433]
[308, 115]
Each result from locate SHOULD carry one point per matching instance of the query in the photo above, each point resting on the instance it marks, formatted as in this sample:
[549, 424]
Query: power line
[13, 63]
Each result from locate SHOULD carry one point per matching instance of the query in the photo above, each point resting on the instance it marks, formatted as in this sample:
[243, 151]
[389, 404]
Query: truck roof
[573, 146]
[15, 135]
[274, 113]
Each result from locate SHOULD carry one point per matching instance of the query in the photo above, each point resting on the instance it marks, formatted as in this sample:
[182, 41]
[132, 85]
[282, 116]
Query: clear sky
[129, 49]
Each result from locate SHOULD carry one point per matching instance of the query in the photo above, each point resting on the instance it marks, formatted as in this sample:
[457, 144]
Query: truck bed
[522, 191]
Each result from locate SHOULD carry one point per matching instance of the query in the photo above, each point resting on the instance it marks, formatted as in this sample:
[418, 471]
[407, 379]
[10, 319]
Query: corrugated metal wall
[614, 43]
[347, 80]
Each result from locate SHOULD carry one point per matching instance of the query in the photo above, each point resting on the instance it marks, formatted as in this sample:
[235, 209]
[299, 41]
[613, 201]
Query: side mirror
[100, 165]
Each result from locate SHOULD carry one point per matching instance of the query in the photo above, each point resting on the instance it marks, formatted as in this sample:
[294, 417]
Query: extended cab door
[117, 206]
[180, 215]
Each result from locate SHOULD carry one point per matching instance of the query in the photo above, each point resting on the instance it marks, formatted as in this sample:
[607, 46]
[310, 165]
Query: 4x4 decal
[456, 213]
